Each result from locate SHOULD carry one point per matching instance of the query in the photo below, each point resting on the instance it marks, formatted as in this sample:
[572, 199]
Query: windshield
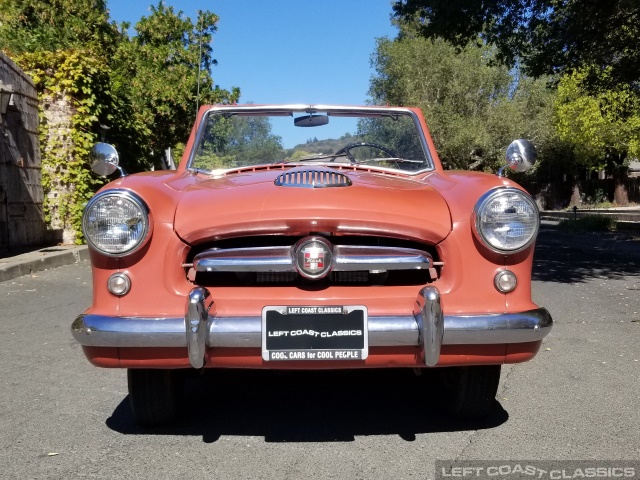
[234, 139]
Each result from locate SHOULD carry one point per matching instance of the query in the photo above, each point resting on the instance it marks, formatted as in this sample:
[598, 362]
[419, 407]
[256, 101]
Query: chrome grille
[313, 178]
[269, 261]
[345, 258]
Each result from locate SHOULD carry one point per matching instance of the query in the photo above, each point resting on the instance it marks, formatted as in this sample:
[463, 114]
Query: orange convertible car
[310, 237]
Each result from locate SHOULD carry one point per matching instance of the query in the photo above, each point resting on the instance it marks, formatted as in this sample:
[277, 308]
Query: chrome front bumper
[198, 329]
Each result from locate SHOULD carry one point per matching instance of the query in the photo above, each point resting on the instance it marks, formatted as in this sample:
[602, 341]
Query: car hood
[250, 203]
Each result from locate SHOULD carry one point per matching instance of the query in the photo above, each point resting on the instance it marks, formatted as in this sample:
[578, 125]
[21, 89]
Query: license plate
[315, 333]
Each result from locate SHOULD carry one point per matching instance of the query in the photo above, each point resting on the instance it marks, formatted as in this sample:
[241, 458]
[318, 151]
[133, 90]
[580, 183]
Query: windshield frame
[330, 110]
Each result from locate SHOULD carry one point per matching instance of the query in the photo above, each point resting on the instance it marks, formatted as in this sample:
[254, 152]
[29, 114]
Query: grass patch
[589, 223]
[598, 206]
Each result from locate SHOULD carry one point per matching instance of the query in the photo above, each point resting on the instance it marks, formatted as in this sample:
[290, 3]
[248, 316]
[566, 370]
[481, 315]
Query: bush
[589, 223]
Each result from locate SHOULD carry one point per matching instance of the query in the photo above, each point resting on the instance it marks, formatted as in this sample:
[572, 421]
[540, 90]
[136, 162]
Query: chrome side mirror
[521, 156]
[105, 160]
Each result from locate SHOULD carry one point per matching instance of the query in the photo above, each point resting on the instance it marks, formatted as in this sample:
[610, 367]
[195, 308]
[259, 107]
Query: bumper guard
[427, 327]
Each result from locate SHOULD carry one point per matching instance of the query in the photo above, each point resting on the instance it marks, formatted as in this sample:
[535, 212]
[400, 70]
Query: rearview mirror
[311, 121]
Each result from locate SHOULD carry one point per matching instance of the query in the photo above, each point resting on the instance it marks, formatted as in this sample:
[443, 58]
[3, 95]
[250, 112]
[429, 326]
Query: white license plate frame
[315, 332]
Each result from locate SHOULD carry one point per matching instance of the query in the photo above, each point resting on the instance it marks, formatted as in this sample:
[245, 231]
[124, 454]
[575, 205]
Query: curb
[43, 259]
[620, 224]
[626, 216]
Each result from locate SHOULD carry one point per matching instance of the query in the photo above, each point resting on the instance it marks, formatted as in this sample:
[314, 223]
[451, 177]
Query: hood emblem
[313, 257]
[313, 178]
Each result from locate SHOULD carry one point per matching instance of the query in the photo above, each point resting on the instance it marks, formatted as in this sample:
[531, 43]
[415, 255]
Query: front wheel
[471, 391]
[154, 395]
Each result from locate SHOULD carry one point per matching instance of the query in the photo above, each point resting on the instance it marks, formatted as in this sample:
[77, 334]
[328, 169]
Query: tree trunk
[620, 194]
[576, 200]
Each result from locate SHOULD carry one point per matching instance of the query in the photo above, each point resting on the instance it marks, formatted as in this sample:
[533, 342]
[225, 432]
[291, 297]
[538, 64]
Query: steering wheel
[347, 150]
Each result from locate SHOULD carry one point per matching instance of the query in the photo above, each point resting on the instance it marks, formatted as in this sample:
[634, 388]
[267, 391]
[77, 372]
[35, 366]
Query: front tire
[471, 391]
[154, 395]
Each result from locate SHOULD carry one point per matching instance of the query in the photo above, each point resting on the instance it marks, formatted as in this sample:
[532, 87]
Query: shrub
[589, 223]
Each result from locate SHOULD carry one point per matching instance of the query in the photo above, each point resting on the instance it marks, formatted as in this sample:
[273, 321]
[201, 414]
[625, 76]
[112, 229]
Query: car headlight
[116, 222]
[506, 220]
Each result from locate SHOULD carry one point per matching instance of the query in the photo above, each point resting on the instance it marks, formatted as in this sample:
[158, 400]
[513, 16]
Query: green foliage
[208, 160]
[598, 125]
[547, 36]
[324, 146]
[473, 107]
[76, 78]
[299, 154]
[597, 200]
[144, 87]
[177, 152]
[156, 73]
[50, 25]
[236, 141]
[253, 141]
[397, 134]
[589, 223]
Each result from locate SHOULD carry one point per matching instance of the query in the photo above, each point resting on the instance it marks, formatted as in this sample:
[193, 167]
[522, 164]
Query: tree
[161, 74]
[549, 37]
[238, 141]
[251, 141]
[50, 25]
[143, 87]
[602, 128]
[157, 77]
[474, 107]
[397, 134]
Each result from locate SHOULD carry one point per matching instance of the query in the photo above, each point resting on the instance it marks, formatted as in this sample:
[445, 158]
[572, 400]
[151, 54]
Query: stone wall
[57, 116]
[22, 222]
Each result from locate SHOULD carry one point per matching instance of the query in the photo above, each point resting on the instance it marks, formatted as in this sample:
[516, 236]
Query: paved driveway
[62, 418]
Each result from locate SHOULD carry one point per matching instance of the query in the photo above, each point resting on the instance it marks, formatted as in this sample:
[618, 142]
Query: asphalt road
[578, 399]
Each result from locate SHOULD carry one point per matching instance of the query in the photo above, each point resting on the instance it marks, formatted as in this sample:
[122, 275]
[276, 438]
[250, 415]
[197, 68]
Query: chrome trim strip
[353, 258]
[346, 258]
[236, 332]
[430, 324]
[393, 330]
[254, 259]
[195, 320]
[104, 331]
[507, 327]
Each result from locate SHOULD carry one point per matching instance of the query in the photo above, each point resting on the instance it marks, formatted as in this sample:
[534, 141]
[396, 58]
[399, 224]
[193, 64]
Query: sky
[287, 51]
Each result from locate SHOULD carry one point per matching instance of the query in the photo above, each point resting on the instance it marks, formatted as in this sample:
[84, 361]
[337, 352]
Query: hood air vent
[313, 178]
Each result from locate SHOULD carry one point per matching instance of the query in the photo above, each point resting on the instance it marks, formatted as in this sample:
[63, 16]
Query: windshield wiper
[311, 158]
[325, 156]
[389, 159]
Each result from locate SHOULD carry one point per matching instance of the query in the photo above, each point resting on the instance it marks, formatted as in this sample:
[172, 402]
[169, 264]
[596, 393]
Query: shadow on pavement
[318, 406]
[571, 258]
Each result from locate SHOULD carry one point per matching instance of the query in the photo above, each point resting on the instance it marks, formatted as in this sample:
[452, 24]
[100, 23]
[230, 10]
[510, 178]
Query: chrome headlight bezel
[133, 199]
[490, 241]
